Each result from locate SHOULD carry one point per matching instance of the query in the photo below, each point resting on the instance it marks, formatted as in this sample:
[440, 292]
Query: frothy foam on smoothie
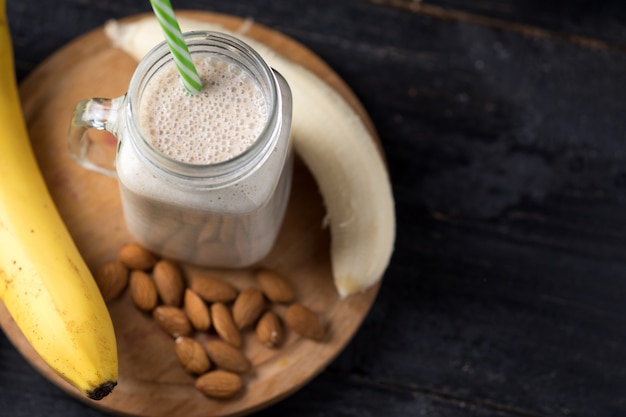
[220, 122]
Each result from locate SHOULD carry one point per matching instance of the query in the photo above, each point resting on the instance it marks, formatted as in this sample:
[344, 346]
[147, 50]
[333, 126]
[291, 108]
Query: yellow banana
[44, 282]
[334, 144]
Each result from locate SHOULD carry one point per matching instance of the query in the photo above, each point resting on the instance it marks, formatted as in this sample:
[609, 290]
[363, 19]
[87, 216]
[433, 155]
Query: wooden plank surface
[507, 151]
[578, 21]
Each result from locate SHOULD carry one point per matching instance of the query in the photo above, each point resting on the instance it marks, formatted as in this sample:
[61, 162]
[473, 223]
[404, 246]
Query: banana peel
[44, 282]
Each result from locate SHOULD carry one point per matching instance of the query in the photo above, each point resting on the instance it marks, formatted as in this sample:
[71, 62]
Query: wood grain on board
[152, 382]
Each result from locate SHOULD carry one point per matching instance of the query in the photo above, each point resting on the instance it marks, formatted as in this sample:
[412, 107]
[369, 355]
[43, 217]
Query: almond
[304, 322]
[276, 288]
[248, 307]
[269, 330]
[169, 282]
[226, 356]
[208, 231]
[197, 311]
[192, 355]
[112, 279]
[135, 256]
[213, 289]
[173, 320]
[143, 291]
[224, 324]
[219, 384]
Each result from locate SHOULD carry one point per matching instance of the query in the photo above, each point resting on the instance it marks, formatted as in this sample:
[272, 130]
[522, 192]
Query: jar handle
[95, 150]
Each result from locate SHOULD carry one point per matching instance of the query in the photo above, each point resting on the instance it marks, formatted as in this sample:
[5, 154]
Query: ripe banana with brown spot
[335, 145]
[44, 282]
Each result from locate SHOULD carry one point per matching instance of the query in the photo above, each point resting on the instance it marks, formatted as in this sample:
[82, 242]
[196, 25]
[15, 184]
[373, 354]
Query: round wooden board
[151, 382]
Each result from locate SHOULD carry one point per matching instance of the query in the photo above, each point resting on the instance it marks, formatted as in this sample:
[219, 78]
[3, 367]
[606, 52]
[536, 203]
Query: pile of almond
[182, 306]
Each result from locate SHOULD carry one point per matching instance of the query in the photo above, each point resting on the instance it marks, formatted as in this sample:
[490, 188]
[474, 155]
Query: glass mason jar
[224, 214]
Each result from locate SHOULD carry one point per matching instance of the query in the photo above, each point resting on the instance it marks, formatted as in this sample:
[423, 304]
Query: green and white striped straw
[174, 38]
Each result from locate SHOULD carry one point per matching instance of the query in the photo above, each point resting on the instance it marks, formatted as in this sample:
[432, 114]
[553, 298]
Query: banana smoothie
[208, 183]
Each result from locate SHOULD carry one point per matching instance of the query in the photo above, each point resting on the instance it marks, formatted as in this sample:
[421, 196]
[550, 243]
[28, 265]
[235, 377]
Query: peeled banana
[336, 147]
[44, 282]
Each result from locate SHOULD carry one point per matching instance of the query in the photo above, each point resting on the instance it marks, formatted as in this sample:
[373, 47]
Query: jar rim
[218, 173]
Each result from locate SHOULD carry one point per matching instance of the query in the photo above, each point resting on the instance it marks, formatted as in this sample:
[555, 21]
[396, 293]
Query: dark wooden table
[504, 124]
